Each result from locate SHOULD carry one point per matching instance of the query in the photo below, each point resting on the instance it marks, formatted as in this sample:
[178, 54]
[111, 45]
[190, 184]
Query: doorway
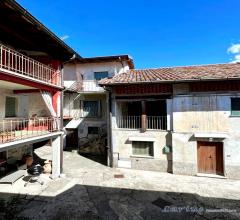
[210, 157]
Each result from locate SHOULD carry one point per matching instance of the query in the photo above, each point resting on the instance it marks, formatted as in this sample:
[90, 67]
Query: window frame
[16, 106]
[151, 151]
[93, 127]
[235, 113]
[100, 72]
[99, 111]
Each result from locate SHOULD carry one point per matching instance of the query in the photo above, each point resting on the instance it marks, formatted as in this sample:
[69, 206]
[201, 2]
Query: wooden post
[143, 117]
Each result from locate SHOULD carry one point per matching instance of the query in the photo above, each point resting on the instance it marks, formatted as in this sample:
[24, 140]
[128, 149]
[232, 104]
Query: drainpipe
[61, 121]
[109, 127]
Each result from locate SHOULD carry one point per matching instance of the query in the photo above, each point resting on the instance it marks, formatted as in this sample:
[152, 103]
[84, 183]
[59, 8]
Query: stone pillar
[143, 117]
[56, 157]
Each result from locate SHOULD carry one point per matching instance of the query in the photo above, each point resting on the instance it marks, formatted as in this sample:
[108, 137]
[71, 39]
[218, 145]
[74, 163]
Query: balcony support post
[143, 117]
[56, 157]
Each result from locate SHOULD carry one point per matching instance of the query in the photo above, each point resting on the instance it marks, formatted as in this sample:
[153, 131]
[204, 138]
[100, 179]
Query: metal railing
[17, 129]
[157, 122]
[134, 122]
[129, 122]
[16, 62]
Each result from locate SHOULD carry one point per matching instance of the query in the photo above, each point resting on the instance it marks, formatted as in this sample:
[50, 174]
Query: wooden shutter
[10, 106]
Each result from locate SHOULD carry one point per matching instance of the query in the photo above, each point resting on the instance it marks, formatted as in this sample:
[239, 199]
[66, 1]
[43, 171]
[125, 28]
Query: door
[210, 157]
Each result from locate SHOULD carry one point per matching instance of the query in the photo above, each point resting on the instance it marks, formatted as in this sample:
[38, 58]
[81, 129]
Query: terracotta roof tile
[168, 74]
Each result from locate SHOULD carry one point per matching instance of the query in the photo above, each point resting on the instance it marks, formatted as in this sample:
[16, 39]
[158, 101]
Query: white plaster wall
[72, 72]
[34, 102]
[37, 105]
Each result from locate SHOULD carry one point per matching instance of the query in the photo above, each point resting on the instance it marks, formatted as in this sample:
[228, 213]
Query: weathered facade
[85, 107]
[31, 85]
[182, 120]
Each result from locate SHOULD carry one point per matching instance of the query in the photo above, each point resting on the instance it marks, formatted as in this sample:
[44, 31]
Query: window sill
[234, 116]
[142, 156]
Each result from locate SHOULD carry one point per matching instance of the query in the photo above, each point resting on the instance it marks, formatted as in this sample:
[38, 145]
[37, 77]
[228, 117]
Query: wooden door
[210, 157]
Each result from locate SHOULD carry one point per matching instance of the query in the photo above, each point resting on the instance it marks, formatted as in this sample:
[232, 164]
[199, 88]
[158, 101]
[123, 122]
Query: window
[235, 106]
[93, 130]
[91, 108]
[100, 75]
[142, 148]
[10, 106]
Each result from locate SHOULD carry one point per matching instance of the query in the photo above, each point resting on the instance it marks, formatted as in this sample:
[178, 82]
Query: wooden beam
[20, 91]
[143, 117]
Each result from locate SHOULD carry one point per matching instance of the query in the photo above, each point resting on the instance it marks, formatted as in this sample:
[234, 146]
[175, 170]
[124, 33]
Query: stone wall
[122, 149]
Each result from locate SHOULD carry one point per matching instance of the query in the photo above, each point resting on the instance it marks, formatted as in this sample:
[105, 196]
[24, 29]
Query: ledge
[142, 156]
[142, 138]
[29, 140]
[210, 135]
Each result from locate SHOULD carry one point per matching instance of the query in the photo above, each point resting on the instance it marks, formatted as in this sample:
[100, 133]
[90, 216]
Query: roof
[176, 74]
[103, 59]
[75, 87]
[22, 31]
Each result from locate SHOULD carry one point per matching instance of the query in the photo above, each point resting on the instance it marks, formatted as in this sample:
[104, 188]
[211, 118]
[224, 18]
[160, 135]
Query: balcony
[20, 65]
[134, 122]
[91, 86]
[18, 129]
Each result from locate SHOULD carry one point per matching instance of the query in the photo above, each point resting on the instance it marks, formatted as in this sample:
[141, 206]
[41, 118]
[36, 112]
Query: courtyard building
[85, 102]
[31, 84]
[183, 120]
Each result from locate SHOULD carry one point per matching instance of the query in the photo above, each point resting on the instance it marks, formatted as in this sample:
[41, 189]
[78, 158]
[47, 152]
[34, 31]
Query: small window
[91, 108]
[93, 130]
[100, 75]
[10, 106]
[142, 148]
[235, 106]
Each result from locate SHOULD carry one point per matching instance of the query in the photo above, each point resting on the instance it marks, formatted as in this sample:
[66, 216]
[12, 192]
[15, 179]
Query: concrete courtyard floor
[89, 190]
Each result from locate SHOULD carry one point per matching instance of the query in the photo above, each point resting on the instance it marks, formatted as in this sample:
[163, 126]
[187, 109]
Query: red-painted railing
[15, 62]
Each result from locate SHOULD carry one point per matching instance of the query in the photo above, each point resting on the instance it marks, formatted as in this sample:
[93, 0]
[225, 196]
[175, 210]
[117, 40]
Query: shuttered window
[235, 106]
[10, 106]
[142, 148]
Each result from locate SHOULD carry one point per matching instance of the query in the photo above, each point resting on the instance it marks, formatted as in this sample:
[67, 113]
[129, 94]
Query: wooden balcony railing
[134, 122]
[15, 62]
[17, 129]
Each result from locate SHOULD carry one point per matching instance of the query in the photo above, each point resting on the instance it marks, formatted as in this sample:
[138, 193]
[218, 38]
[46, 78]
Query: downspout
[109, 127]
[61, 121]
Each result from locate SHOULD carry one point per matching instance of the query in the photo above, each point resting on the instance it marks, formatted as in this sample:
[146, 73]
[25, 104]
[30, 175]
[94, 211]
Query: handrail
[16, 62]
[134, 122]
[17, 129]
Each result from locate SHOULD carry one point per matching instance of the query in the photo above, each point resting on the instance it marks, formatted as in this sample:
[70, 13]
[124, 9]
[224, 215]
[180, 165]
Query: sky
[155, 33]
